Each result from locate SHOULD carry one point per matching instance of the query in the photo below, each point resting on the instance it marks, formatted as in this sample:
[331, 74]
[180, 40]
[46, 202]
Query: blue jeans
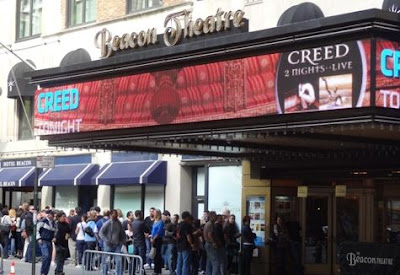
[80, 247]
[139, 250]
[165, 256]
[171, 260]
[47, 248]
[29, 250]
[12, 246]
[5, 241]
[105, 262]
[221, 255]
[213, 266]
[183, 265]
[148, 248]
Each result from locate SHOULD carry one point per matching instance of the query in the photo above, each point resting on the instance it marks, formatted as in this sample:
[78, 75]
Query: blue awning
[132, 172]
[17, 176]
[68, 174]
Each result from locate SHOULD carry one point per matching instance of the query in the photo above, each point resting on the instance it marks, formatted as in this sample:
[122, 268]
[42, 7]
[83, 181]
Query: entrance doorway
[327, 222]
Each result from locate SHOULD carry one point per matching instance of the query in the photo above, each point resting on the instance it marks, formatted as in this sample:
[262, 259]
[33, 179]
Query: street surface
[23, 268]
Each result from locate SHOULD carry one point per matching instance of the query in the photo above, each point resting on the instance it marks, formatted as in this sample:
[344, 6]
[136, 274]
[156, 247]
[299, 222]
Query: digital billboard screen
[387, 74]
[323, 78]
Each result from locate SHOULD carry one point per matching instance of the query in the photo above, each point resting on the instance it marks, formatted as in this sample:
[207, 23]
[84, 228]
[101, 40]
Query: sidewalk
[23, 268]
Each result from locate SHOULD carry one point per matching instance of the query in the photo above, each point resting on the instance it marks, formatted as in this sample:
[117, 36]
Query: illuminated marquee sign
[173, 34]
[58, 101]
[315, 79]
[322, 78]
[388, 74]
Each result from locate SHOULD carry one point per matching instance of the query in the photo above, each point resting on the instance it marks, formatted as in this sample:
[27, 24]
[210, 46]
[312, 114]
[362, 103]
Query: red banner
[317, 79]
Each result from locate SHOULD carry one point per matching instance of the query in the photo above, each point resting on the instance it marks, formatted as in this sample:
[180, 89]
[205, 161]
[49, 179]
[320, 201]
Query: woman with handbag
[157, 233]
[90, 231]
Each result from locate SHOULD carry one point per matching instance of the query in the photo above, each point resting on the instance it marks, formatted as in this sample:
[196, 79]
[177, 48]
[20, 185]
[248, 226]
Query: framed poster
[256, 206]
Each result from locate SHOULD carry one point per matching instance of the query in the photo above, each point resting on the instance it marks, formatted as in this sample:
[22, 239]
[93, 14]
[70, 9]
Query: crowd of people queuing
[182, 244]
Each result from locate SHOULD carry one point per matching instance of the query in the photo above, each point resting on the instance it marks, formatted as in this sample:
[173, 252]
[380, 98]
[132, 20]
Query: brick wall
[64, 8]
[171, 2]
[110, 9]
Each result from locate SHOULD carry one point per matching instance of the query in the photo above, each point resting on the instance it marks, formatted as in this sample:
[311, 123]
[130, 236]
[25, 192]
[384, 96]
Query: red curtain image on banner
[245, 87]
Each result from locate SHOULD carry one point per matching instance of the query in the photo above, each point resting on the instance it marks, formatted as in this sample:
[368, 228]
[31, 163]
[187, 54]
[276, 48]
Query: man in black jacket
[148, 226]
[73, 222]
[61, 241]
[138, 237]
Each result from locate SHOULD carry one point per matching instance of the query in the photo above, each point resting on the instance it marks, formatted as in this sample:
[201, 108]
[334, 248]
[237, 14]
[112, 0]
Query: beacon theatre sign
[173, 33]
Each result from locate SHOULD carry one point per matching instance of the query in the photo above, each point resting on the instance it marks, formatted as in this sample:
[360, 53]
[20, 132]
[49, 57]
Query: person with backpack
[61, 242]
[44, 237]
[184, 244]
[90, 231]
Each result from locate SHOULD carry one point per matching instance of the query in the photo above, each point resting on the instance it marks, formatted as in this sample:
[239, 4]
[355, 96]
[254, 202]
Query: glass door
[317, 233]
[347, 223]
[328, 221]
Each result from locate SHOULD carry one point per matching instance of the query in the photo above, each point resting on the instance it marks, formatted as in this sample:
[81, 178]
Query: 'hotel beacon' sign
[173, 34]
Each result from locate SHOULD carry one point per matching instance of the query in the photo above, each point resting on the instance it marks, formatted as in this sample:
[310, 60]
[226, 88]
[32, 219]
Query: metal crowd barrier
[95, 261]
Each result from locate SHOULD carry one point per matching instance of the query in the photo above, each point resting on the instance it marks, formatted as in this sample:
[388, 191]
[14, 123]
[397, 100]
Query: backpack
[4, 228]
[88, 230]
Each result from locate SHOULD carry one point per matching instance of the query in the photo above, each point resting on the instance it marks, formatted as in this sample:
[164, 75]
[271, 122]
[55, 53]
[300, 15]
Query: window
[137, 5]
[82, 11]
[127, 198]
[24, 122]
[29, 18]
[66, 198]
[224, 189]
[217, 188]
[154, 197]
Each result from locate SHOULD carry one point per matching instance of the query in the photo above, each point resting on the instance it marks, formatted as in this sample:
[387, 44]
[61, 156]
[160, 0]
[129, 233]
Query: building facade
[274, 159]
